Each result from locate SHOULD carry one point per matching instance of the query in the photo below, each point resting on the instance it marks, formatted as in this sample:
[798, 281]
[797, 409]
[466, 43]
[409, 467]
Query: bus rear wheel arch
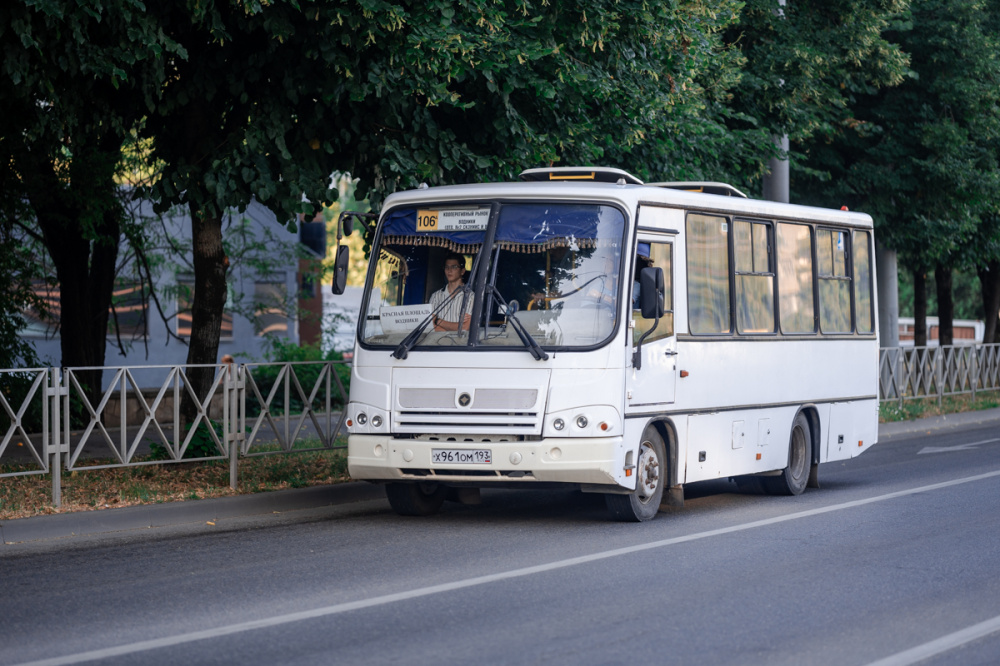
[795, 477]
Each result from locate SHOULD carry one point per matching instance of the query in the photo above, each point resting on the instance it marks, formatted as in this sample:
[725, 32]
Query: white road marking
[957, 447]
[336, 609]
[943, 644]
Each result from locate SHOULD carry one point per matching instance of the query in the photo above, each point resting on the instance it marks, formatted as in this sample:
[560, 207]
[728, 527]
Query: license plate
[462, 456]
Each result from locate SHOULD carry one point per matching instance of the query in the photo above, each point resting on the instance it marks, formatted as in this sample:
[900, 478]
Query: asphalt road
[895, 560]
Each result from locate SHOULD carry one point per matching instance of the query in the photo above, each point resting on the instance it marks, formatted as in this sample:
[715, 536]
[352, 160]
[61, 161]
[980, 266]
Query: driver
[448, 318]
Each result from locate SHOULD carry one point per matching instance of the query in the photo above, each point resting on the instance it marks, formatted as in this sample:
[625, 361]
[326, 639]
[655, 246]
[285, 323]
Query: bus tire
[416, 499]
[794, 478]
[643, 503]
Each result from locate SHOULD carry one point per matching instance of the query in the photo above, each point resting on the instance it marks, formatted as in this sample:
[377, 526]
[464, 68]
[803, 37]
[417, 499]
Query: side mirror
[348, 224]
[340, 269]
[651, 290]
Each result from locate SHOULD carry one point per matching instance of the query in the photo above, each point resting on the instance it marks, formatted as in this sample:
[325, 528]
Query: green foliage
[967, 300]
[18, 270]
[201, 445]
[806, 60]
[75, 78]
[273, 98]
[922, 157]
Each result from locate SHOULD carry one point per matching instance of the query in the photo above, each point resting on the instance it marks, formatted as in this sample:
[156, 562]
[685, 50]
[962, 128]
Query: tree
[269, 100]
[807, 61]
[921, 157]
[76, 78]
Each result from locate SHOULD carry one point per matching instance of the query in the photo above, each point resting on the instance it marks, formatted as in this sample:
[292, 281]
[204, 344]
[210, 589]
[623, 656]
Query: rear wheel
[793, 479]
[651, 478]
[416, 499]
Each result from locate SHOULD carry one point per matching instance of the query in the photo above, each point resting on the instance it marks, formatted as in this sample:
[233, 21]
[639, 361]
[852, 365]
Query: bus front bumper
[591, 461]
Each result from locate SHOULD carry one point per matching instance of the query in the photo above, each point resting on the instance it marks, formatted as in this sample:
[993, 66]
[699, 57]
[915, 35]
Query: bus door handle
[670, 352]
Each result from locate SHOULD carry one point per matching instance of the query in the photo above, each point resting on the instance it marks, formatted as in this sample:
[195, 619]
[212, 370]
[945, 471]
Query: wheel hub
[649, 472]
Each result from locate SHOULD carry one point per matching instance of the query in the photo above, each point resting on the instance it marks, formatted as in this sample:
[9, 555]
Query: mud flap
[813, 481]
[672, 497]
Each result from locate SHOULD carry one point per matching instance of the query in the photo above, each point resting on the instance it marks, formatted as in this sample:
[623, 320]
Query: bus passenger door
[653, 382]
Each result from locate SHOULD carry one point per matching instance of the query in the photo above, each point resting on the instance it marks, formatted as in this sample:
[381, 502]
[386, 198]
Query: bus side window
[832, 248]
[754, 277]
[708, 274]
[796, 310]
[863, 282]
[661, 256]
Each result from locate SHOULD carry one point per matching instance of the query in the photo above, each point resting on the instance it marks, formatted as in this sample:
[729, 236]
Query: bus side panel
[853, 429]
[728, 443]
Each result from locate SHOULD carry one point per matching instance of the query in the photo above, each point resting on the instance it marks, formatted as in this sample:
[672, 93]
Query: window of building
[270, 308]
[185, 297]
[708, 274]
[754, 277]
[796, 310]
[832, 250]
[128, 302]
[39, 326]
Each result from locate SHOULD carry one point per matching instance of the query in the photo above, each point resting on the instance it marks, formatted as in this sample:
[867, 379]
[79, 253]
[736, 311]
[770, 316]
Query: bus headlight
[587, 421]
[365, 419]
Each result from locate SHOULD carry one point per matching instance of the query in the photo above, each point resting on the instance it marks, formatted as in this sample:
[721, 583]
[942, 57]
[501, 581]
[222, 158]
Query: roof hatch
[705, 187]
[587, 173]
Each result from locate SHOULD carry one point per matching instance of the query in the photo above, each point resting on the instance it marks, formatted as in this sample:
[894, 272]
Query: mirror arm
[637, 354]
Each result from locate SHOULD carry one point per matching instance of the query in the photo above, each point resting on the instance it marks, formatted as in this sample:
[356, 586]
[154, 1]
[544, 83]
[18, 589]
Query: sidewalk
[887, 431]
[202, 512]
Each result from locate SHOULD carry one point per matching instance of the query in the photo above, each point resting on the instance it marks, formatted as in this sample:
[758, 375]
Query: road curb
[172, 514]
[935, 423]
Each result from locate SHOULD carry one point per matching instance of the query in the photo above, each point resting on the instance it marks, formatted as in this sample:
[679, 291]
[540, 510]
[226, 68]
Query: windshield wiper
[536, 351]
[406, 345]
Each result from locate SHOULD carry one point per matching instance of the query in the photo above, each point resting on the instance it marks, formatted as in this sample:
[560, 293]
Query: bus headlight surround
[584, 421]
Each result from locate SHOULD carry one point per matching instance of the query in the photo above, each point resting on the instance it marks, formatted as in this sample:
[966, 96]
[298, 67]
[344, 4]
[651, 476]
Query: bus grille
[467, 422]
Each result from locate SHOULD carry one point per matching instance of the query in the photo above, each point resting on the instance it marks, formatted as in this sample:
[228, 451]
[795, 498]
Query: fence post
[231, 421]
[902, 366]
[939, 371]
[975, 369]
[53, 443]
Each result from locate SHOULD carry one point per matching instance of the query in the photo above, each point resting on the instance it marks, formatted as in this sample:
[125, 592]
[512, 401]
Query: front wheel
[643, 503]
[416, 499]
[793, 479]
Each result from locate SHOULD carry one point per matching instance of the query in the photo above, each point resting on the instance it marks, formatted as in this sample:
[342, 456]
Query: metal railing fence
[151, 415]
[50, 424]
[908, 373]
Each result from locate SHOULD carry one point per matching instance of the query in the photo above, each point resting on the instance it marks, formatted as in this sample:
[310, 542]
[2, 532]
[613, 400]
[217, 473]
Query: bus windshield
[554, 267]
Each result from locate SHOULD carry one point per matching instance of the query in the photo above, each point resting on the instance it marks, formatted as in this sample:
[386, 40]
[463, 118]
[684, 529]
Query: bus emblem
[464, 399]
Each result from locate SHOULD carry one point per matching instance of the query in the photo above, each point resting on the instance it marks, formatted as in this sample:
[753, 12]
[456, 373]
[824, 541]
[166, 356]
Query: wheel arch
[812, 418]
[668, 432]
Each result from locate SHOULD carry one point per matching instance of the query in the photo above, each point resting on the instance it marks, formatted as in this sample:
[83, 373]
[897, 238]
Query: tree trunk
[989, 283]
[210, 287]
[946, 306]
[80, 220]
[919, 308]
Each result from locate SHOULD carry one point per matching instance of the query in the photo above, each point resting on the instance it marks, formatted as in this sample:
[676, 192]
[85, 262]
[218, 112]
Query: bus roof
[630, 196]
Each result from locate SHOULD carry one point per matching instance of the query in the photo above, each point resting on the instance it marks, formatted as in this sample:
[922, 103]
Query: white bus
[618, 337]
